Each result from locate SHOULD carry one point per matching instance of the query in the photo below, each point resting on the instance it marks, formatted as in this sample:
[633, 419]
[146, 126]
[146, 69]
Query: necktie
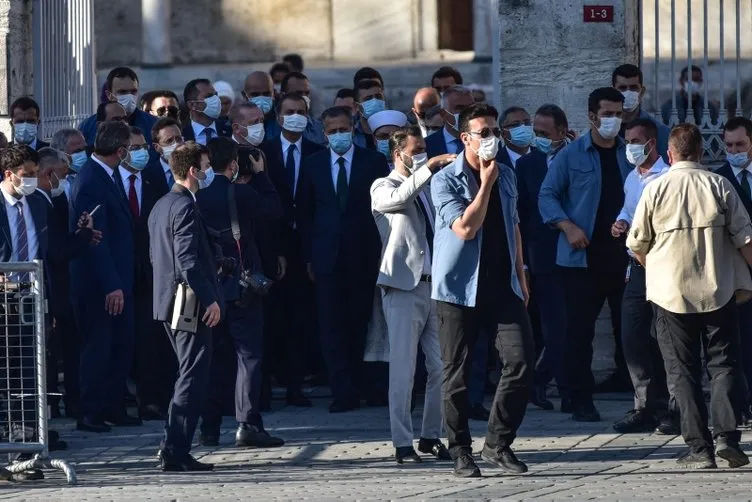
[458, 146]
[208, 134]
[133, 197]
[170, 179]
[118, 183]
[22, 238]
[745, 184]
[429, 228]
[342, 183]
[290, 167]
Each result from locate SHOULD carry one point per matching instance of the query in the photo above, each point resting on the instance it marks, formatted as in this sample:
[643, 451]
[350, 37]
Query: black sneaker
[585, 413]
[503, 458]
[668, 425]
[697, 460]
[465, 467]
[730, 452]
[538, 398]
[635, 421]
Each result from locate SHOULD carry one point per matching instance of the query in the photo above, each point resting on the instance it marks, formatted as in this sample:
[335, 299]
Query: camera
[244, 161]
[254, 283]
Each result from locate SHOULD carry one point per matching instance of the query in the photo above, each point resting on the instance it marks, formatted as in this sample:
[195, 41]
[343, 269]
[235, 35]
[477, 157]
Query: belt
[425, 278]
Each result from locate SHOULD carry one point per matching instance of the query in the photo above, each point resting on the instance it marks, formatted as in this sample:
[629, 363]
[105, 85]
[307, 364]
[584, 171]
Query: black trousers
[586, 289]
[459, 327]
[681, 337]
[549, 293]
[66, 332]
[640, 347]
[745, 334]
[244, 327]
[18, 382]
[194, 352]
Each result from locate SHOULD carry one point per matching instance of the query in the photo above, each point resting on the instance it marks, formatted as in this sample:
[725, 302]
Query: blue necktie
[290, 167]
[209, 134]
[22, 237]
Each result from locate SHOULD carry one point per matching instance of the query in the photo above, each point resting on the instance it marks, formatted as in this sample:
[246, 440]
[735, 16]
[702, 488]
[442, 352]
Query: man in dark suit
[204, 107]
[167, 136]
[102, 283]
[181, 253]
[342, 248]
[539, 243]
[737, 137]
[447, 140]
[24, 120]
[292, 297]
[154, 361]
[243, 322]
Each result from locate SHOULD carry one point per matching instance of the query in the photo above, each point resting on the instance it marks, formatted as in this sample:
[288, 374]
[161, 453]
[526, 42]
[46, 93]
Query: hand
[618, 228]
[86, 221]
[281, 267]
[257, 166]
[576, 237]
[309, 269]
[525, 289]
[488, 172]
[113, 302]
[212, 315]
[436, 163]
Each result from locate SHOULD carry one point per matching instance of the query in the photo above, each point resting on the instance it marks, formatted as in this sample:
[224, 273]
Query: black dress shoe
[635, 421]
[668, 425]
[297, 398]
[406, 454]
[434, 447]
[538, 398]
[729, 451]
[122, 420]
[697, 460]
[465, 467]
[342, 405]
[566, 405]
[90, 424]
[586, 413]
[253, 436]
[208, 439]
[152, 412]
[478, 412]
[503, 458]
[187, 463]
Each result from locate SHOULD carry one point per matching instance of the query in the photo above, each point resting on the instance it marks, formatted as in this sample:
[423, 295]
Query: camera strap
[234, 225]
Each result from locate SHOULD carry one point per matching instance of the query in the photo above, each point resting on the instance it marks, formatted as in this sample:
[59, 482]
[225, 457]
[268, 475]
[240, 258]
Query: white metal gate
[716, 37]
[64, 62]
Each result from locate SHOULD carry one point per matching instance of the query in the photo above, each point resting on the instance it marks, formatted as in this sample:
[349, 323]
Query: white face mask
[609, 127]
[488, 148]
[631, 100]
[294, 123]
[27, 186]
[60, 188]
[637, 154]
[128, 101]
[167, 151]
[255, 134]
[416, 162]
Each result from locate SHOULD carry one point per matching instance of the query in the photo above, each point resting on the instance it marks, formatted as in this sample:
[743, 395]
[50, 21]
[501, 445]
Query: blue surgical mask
[263, 102]
[382, 145]
[207, 180]
[25, 133]
[213, 106]
[373, 106]
[521, 135]
[78, 160]
[542, 144]
[139, 159]
[340, 142]
[738, 160]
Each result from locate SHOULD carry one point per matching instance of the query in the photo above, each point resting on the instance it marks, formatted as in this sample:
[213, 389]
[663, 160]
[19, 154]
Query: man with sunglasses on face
[162, 103]
[479, 284]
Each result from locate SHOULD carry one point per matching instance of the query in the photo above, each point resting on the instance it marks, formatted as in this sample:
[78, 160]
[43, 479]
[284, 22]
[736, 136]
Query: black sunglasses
[167, 110]
[487, 131]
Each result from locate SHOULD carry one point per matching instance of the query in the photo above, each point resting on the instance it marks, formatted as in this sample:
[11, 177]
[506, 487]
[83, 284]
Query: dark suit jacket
[728, 173]
[330, 234]
[40, 144]
[257, 201]
[143, 120]
[538, 239]
[38, 209]
[153, 188]
[109, 266]
[224, 128]
[435, 144]
[181, 253]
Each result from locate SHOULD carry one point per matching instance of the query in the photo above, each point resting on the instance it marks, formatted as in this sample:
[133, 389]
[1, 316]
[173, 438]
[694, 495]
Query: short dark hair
[184, 157]
[651, 130]
[510, 110]
[102, 110]
[191, 89]
[11, 159]
[137, 131]
[447, 71]
[626, 71]
[119, 72]
[685, 71]
[292, 96]
[398, 139]
[160, 124]
[337, 111]
[148, 97]
[603, 94]
[685, 141]
[293, 74]
[111, 136]
[222, 152]
[367, 73]
[475, 111]
[277, 67]
[736, 122]
[345, 93]
[294, 61]
[366, 84]
[28, 153]
[556, 113]
[24, 103]
[235, 110]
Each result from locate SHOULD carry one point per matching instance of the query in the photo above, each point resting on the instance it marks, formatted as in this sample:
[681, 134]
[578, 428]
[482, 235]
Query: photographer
[231, 212]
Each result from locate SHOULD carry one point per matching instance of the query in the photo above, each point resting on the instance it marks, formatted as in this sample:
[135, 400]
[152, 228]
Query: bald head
[425, 99]
[258, 83]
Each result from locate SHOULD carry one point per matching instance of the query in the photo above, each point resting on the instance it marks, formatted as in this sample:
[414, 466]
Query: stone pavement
[348, 456]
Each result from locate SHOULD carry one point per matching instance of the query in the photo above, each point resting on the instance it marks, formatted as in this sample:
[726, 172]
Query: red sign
[598, 13]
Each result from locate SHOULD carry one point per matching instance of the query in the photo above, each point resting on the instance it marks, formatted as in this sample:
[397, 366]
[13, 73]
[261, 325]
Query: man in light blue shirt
[479, 284]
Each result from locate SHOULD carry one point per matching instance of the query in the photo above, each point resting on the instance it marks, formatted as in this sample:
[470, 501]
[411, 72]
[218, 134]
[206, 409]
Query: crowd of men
[203, 247]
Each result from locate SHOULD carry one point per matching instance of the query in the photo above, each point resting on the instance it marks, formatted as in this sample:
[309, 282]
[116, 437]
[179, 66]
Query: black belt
[425, 278]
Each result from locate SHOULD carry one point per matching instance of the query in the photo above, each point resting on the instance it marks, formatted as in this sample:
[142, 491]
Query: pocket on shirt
[581, 176]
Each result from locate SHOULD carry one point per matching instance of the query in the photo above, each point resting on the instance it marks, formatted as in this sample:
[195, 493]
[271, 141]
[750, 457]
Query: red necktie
[132, 197]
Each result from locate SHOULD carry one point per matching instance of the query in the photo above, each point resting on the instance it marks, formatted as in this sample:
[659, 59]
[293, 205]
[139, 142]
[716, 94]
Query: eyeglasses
[167, 110]
[487, 131]
[135, 148]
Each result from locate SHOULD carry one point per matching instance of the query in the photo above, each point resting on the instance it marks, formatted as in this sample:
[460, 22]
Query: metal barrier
[23, 381]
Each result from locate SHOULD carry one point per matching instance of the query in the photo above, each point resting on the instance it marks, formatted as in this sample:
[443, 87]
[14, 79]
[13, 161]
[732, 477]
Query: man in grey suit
[401, 206]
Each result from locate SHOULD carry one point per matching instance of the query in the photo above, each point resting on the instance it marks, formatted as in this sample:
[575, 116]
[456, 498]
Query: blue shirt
[142, 120]
[455, 261]
[572, 191]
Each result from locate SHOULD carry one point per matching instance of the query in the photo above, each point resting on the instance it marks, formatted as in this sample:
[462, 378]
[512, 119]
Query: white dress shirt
[125, 176]
[448, 140]
[11, 209]
[106, 168]
[198, 131]
[334, 156]
[296, 156]
[738, 173]
[514, 156]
